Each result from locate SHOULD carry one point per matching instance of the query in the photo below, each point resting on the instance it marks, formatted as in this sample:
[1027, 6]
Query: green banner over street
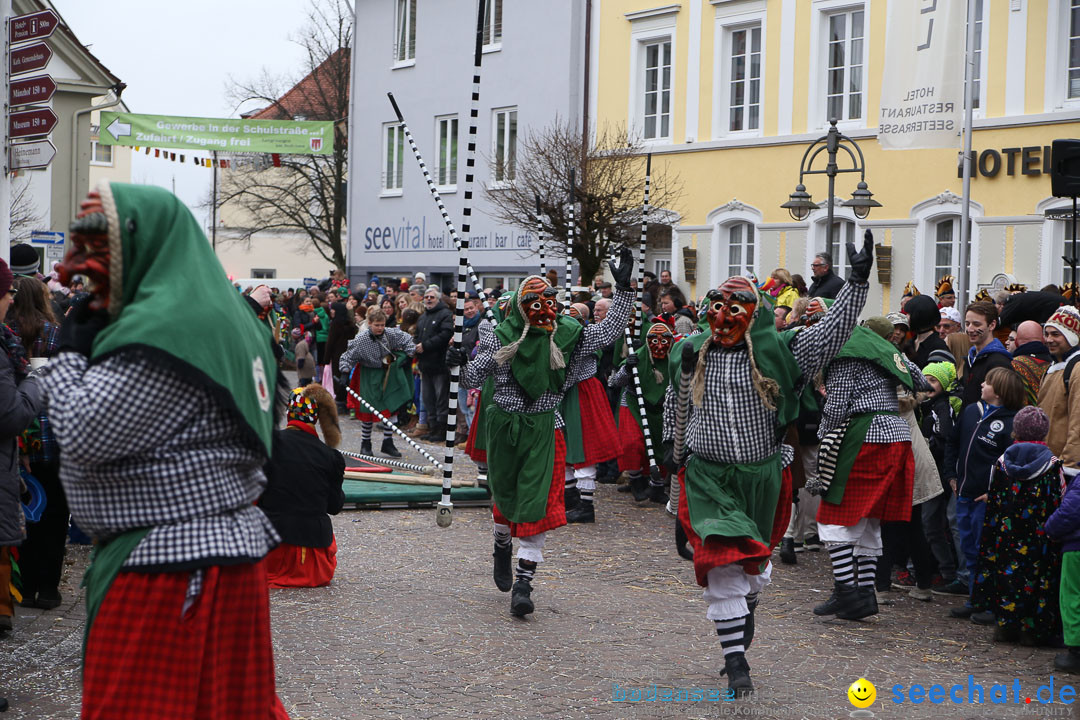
[285, 137]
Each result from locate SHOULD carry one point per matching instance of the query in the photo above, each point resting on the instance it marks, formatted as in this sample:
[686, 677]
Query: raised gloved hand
[632, 360]
[456, 357]
[81, 325]
[624, 270]
[862, 262]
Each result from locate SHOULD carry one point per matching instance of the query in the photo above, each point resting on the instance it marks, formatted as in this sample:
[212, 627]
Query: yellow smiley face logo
[862, 693]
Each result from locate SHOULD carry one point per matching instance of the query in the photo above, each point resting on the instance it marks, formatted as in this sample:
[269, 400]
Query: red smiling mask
[539, 303]
[731, 310]
[659, 339]
[89, 254]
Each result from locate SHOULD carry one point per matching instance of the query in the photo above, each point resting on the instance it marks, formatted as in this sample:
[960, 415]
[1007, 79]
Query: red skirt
[746, 551]
[632, 455]
[879, 486]
[598, 432]
[556, 502]
[289, 566]
[477, 455]
[144, 659]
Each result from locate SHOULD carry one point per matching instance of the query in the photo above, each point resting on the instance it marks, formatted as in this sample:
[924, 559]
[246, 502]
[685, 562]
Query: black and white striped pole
[412, 443]
[540, 237]
[388, 462]
[451, 230]
[682, 415]
[571, 229]
[640, 326]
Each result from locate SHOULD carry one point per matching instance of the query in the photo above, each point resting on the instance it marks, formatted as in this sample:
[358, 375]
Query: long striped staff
[412, 443]
[540, 238]
[639, 325]
[571, 229]
[388, 462]
[451, 230]
[682, 415]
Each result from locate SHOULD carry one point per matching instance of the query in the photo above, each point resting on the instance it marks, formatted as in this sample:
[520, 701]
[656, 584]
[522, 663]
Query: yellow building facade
[728, 95]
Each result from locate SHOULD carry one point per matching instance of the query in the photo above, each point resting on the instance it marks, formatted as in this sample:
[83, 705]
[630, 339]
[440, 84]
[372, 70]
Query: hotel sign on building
[747, 85]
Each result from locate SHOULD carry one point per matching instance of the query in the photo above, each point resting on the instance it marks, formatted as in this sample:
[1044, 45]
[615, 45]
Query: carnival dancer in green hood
[736, 497]
[865, 463]
[528, 355]
[164, 411]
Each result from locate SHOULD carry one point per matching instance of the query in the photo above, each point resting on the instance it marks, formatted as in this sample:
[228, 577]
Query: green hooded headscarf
[171, 297]
[529, 349]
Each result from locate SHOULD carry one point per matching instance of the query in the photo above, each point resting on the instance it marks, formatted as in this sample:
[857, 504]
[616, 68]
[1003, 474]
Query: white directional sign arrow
[119, 129]
[37, 154]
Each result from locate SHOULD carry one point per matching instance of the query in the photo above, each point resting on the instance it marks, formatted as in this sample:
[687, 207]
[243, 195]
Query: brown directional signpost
[32, 120]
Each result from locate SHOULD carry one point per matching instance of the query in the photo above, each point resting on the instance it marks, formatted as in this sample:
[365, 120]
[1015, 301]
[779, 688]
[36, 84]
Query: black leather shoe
[584, 512]
[1068, 661]
[787, 551]
[502, 573]
[986, 617]
[571, 497]
[963, 612]
[521, 603]
[862, 603]
[48, 599]
[640, 487]
[738, 673]
[657, 494]
[830, 606]
[365, 447]
[388, 449]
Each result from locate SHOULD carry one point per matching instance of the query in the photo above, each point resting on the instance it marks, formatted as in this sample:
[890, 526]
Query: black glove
[689, 358]
[632, 360]
[81, 326]
[456, 357]
[668, 455]
[624, 270]
[863, 261]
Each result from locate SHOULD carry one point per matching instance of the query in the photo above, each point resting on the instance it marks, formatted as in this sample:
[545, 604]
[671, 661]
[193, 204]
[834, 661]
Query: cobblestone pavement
[413, 627]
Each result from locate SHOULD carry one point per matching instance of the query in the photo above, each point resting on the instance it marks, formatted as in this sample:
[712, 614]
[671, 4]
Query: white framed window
[740, 249]
[744, 79]
[937, 242]
[845, 60]
[842, 234]
[506, 282]
[656, 91]
[393, 166]
[979, 94]
[660, 266]
[446, 138]
[263, 273]
[405, 33]
[100, 154]
[946, 233]
[493, 17]
[504, 146]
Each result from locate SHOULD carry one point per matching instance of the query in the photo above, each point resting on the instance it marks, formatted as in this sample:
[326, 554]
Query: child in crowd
[305, 363]
[1064, 527]
[982, 435]
[1018, 567]
[939, 413]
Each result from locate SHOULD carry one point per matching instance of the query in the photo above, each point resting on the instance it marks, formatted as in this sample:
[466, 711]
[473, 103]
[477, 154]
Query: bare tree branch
[306, 194]
[609, 194]
[25, 217]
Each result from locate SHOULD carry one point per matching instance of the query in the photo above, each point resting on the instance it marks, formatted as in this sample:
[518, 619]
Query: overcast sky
[177, 57]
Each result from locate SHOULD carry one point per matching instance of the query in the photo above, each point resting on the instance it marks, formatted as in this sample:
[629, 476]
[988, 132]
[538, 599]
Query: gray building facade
[422, 51]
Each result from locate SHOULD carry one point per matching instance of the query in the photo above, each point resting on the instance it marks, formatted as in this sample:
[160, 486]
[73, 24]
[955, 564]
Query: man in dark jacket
[986, 351]
[826, 283]
[434, 330]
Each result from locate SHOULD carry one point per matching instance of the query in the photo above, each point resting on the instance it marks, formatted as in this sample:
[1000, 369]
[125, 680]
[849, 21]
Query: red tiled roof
[314, 96]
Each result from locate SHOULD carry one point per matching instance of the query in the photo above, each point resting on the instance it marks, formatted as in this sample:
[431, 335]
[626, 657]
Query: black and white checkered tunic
[508, 394]
[581, 367]
[858, 386]
[369, 350]
[142, 447]
[733, 426]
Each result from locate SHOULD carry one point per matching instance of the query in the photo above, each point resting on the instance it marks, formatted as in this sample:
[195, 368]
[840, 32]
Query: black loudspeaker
[1065, 168]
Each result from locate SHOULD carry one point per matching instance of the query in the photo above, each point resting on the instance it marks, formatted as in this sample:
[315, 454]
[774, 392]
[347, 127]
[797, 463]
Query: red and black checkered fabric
[146, 660]
[598, 432]
[632, 455]
[556, 502]
[716, 551]
[879, 486]
[478, 455]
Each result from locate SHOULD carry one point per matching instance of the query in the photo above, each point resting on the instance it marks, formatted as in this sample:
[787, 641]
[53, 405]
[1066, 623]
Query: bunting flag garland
[250, 161]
